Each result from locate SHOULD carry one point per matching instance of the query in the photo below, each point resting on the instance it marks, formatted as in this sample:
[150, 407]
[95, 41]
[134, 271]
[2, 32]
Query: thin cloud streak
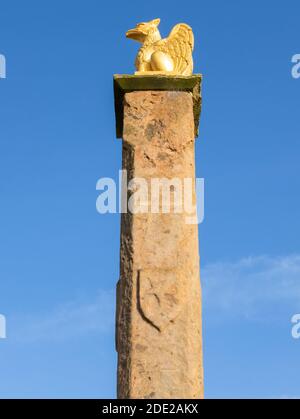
[255, 287]
[70, 320]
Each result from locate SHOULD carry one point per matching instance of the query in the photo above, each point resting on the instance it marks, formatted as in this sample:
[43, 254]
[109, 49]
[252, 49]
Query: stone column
[158, 320]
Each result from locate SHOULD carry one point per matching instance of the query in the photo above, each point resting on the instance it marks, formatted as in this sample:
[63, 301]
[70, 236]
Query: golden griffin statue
[172, 55]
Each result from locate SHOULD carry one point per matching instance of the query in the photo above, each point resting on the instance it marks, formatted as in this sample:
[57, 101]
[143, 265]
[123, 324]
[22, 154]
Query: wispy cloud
[70, 320]
[253, 287]
[257, 288]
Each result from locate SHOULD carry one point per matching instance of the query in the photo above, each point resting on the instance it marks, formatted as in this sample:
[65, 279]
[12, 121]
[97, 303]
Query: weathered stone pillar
[158, 322]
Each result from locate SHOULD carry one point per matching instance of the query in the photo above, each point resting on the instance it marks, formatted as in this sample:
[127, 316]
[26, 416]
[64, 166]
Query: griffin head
[145, 30]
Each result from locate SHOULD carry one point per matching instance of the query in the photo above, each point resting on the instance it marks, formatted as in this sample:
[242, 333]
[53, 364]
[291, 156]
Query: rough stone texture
[158, 333]
[124, 83]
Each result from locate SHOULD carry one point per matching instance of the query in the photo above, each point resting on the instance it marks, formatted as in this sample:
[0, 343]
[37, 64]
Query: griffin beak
[134, 34]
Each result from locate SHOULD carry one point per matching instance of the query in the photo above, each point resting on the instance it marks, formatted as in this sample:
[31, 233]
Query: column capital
[124, 83]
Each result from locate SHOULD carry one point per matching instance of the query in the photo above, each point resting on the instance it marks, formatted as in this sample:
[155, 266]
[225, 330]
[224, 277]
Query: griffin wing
[179, 45]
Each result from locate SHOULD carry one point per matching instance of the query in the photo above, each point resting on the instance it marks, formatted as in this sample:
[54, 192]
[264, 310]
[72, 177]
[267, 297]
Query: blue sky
[59, 257]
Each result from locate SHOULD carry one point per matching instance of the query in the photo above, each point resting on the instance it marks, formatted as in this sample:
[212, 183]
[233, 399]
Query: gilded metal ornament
[170, 56]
